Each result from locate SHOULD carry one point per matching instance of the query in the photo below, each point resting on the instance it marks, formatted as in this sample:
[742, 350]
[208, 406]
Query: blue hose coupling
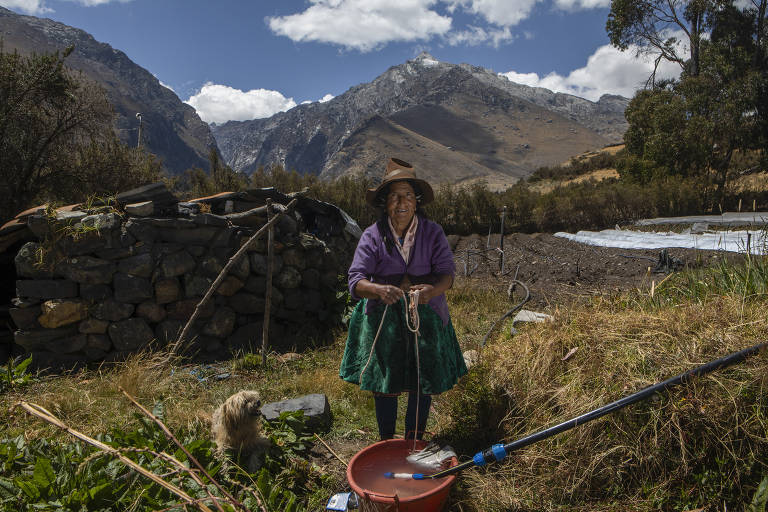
[498, 451]
[495, 453]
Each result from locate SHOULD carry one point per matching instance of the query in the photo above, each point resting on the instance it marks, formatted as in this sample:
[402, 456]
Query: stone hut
[98, 282]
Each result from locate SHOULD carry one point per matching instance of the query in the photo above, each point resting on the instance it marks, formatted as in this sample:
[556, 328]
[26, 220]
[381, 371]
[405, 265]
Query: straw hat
[399, 170]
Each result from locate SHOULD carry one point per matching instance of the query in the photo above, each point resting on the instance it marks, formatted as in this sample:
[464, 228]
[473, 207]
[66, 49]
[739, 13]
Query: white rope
[373, 345]
[413, 317]
[413, 322]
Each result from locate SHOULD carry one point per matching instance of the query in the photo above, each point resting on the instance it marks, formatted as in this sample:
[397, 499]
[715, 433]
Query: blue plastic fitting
[418, 476]
[389, 474]
[498, 451]
[478, 459]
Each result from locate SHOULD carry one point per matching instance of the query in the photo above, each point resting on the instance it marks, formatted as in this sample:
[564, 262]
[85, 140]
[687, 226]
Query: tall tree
[57, 141]
[46, 112]
[694, 126]
[653, 26]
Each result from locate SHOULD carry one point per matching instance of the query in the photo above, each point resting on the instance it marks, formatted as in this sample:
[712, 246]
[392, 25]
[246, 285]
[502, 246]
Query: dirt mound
[557, 270]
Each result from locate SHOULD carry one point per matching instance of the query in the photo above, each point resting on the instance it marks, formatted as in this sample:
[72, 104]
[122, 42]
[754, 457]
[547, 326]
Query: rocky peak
[172, 130]
[480, 124]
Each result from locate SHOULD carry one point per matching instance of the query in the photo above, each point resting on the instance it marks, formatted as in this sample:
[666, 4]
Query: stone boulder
[317, 410]
[59, 312]
[130, 334]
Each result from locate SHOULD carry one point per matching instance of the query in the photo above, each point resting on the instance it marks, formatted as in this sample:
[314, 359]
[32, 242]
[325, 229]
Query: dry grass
[643, 456]
[90, 401]
[750, 182]
[545, 186]
[702, 445]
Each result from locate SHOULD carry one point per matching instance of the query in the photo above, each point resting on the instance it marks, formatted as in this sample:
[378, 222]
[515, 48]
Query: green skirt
[392, 367]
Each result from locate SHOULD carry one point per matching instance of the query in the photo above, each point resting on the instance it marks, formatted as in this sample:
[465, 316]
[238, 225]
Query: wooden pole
[268, 297]
[232, 261]
[501, 243]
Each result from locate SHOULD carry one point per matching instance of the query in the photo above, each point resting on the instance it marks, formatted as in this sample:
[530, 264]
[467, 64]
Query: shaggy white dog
[237, 427]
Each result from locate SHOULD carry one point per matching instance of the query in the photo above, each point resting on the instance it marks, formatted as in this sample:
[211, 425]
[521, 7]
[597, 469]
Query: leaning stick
[331, 450]
[234, 259]
[42, 413]
[190, 457]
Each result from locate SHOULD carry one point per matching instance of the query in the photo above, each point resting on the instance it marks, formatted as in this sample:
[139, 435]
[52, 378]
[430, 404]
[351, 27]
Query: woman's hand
[426, 292]
[388, 294]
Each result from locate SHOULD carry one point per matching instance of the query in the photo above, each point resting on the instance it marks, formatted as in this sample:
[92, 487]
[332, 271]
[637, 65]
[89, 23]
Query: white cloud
[474, 36]
[572, 5]
[91, 3]
[504, 13]
[608, 71]
[27, 6]
[38, 7]
[362, 24]
[327, 97]
[220, 103]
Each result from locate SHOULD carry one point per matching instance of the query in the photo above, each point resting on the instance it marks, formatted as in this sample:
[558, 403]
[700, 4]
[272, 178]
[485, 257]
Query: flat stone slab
[71, 217]
[317, 410]
[156, 192]
[143, 209]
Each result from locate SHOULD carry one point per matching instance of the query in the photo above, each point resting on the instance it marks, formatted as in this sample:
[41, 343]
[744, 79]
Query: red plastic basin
[365, 474]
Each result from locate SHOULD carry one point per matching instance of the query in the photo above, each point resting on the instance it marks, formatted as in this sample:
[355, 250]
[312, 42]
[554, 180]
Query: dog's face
[240, 408]
[237, 425]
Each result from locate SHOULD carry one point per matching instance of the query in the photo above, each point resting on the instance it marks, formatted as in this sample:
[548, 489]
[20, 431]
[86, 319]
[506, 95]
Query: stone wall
[100, 283]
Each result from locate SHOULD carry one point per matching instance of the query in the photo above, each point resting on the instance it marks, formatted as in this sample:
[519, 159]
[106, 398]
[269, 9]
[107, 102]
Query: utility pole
[138, 139]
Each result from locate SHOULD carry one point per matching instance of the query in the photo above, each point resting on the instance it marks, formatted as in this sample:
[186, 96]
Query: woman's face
[401, 203]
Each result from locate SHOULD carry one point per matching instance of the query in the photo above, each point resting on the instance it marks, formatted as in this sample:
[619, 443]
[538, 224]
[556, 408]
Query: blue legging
[386, 415]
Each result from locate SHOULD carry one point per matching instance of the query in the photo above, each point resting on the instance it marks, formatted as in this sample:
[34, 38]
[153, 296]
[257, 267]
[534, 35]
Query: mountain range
[456, 123]
[171, 129]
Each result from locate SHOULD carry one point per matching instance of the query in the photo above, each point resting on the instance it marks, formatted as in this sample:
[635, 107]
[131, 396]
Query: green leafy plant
[760, 500]
[43, 475]
[15, 375]
[290, 434]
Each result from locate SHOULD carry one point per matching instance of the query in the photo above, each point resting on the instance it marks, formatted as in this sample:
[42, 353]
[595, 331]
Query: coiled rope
[412, 322]
[413, 309]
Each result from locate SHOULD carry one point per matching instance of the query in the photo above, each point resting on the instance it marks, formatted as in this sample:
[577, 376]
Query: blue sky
[245, 59]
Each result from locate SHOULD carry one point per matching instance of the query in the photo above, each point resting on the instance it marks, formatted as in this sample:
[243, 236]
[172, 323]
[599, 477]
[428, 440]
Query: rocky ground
[557, 270]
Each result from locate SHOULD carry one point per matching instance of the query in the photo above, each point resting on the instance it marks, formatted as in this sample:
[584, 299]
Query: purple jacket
[431, 257]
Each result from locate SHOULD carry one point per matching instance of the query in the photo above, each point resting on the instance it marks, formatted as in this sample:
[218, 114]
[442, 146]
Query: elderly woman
[403, 256]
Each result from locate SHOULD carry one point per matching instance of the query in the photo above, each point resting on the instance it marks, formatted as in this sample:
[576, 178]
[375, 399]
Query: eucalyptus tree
[57, 140]
[45, 110]
[664, 28]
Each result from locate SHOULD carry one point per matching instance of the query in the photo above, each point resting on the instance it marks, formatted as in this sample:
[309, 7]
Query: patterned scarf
[408, 239]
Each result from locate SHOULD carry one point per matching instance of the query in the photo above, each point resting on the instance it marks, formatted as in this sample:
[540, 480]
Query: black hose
[498, 452]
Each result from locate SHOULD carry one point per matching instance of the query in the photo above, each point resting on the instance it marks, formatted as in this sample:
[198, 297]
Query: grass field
[703, 446]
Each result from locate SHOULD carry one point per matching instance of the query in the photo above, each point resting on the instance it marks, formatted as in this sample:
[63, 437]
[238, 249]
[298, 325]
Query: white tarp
[727, 218]
[731, 241]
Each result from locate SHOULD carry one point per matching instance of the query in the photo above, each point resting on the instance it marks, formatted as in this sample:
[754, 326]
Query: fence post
[501, 244]
[268, 297]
